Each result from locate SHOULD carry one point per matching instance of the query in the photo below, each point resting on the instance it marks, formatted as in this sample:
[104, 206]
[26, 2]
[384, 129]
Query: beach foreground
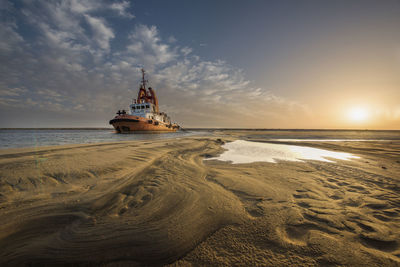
[159, 203]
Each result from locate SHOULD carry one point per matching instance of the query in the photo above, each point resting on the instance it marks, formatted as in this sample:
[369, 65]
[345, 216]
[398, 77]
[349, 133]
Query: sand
[159, 203]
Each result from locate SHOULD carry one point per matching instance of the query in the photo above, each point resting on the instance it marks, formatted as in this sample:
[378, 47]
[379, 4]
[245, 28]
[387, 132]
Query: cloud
[186, 50]
[218, 95]
[101, 33]
[122, 8]
[9, 37]
[71, 67]
[74, 25]
[171, 39]
[12, 92]
[147, 49]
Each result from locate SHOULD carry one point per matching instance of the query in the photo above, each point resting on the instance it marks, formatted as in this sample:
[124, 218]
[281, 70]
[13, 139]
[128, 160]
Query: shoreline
[31, 138]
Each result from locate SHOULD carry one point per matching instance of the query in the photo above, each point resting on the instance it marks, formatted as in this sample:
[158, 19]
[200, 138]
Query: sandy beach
[160, 203]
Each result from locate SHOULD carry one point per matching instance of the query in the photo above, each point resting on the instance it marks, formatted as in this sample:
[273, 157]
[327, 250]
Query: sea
[19, 138]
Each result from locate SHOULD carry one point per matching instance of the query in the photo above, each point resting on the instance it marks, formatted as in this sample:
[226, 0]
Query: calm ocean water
[45, 137]
[35, 138]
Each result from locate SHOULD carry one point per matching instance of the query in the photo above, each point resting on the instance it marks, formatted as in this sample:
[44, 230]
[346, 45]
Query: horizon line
[203, 128]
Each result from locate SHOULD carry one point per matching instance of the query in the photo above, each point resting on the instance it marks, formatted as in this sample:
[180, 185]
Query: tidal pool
[241, 151]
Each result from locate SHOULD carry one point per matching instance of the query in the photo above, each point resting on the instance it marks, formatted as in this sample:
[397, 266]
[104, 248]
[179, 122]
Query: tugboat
[144, 114]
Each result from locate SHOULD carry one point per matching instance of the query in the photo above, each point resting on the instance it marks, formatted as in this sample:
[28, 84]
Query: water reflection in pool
[241, 151]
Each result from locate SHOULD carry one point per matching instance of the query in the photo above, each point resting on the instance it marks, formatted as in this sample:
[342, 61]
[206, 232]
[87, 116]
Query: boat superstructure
[143, 114]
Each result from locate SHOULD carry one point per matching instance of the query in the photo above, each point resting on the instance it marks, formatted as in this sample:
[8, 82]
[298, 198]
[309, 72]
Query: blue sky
[264, 64]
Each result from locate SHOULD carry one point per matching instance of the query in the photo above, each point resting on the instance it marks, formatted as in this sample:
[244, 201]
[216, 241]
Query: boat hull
[129, 124]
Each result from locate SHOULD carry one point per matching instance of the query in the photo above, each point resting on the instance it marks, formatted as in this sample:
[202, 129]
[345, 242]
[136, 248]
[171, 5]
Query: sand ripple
[157, 203]
[154, 212]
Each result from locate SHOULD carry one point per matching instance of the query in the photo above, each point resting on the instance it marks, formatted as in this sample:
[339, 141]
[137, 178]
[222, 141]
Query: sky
[226, 63]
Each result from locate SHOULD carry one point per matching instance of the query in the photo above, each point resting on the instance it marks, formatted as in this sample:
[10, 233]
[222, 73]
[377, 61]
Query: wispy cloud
[71, 66]
[12, 92]
[147, 48]
[101, 32]
[9, 37]
[121, 8]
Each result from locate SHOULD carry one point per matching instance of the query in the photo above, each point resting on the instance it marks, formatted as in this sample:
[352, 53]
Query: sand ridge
[158, 202]
[313, 214]
[146, 208]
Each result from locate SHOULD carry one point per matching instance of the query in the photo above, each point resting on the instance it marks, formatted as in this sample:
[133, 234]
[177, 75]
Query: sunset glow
[358, 114]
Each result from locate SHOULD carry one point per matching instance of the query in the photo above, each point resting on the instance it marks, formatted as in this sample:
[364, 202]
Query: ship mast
[147, 97]
[143, 80]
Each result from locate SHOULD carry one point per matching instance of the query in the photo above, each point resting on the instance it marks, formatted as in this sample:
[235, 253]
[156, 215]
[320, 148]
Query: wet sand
[158, 203]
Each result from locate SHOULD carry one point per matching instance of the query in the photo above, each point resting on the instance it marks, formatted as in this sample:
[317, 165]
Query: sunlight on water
[241, 151]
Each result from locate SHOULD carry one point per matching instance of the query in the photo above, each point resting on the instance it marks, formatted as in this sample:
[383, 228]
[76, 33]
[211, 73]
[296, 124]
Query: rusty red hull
[128, 123]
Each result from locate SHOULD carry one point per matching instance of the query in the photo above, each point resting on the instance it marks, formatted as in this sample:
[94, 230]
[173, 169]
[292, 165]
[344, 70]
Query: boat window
[133, 107]
[147, 106]
[142, 107]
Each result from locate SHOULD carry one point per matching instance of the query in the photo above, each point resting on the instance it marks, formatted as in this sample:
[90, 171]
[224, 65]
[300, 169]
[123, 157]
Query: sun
[358, 114]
